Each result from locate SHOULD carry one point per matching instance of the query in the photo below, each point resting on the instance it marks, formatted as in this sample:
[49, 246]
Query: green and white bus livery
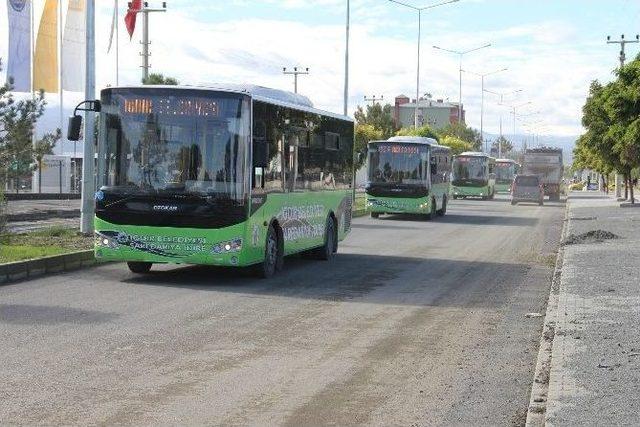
[227, 176]
[506, 170]
[473, 175]
[408, 175]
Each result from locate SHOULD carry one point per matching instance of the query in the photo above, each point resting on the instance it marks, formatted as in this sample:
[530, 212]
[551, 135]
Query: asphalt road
[414, 323]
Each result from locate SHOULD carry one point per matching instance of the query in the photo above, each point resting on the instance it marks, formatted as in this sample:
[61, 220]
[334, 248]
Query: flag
[113, 24]
[74, 47]
[45, 60]
[130, 18]
[19, 63]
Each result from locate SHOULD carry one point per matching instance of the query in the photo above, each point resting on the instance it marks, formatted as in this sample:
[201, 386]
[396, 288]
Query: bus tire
[432, 213]
[139, 267]
[268, 267]
[443, 210]
[375, 215]
[330, 246]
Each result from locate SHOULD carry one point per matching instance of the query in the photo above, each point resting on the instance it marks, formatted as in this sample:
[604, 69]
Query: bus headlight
[105, 242]
[228, 246]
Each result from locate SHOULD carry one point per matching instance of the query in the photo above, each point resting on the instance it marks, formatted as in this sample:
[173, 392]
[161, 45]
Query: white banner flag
[19, 62]
[73, 47]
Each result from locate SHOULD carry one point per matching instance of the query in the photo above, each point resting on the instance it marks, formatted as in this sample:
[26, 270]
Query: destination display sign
[171, 106]
[401, 149]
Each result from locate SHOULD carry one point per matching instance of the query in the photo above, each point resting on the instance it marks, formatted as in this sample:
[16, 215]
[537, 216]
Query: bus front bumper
[398, 205]
[166, 245]
[469, 191]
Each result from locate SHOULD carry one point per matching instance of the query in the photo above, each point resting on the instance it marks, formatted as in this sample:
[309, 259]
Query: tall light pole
[502, 95]
[514, 109]
[460, 54]
[295, 74]
[145, 11]
[346, 64]
[482, 76]
[88, 158]
[419, 10]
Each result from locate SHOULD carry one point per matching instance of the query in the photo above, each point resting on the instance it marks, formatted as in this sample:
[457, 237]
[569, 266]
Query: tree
[463, 132]
[424, 131]
[622, 105]
[506, 145]
[17, 126]
[160, 79]
[378, 116]
[456, 144]
[363, 134]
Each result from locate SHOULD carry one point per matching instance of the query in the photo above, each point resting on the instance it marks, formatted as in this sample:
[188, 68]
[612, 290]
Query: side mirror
[359, 157]
[74, 127]
[260, 153]
[75, 121]
[434, 168]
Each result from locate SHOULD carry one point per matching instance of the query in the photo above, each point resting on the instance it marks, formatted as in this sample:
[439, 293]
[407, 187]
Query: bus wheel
[432, 213]
[443, 210]
[326, 251]
[268, 266]
[139, 267]
[375, 215]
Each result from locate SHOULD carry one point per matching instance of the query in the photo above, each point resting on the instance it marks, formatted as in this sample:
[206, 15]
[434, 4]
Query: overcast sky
[552, 48]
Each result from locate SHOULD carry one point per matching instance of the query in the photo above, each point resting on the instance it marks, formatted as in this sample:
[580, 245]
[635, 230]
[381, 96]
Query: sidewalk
[595, 365]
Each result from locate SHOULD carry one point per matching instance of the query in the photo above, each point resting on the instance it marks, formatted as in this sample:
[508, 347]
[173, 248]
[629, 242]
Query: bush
[3, 212]
[577, 186]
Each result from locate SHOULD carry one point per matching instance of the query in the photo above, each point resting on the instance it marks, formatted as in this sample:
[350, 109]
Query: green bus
[236, 175]
[408, 175]
[474, 175]
[506, 170]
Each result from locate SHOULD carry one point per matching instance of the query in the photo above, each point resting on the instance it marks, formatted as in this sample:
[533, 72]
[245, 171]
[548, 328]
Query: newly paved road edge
[21, 270]
[540, 387]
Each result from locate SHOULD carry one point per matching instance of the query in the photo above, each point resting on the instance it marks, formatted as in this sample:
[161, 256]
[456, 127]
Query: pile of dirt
[593, 236]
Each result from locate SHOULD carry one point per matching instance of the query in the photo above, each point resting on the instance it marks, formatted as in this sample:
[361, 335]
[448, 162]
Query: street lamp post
[346, 64]
[482, 76]
[502, 95]
[460, 54]
[419, 10]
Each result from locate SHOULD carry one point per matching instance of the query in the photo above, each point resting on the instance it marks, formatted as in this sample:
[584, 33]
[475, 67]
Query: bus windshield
[176, 142]
[393, 163]
[505, 172]
[470, 170]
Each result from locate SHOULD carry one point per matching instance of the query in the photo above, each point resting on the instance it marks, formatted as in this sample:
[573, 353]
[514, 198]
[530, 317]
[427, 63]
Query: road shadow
[380, 224]
[24, 314]
[374, 279]
[514, 221]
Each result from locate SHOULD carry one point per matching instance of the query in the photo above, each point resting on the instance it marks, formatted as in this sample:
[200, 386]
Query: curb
[43, 215]
[356, 214]
[537, 410]
[21, 270]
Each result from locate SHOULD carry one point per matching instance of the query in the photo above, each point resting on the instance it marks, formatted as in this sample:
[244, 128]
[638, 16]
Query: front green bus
[180, 182]
[473, 176]
[506, 170]
[407, 175]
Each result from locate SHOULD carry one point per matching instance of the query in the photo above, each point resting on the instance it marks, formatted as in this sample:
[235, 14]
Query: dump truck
[546, 163]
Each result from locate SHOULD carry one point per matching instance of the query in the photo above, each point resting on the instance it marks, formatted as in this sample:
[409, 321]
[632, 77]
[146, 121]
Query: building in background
[436, 113]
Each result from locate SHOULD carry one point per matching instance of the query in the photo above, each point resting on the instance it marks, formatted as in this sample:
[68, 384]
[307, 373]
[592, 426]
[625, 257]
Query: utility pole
[419, 10]
[622, 42]
[145, 11]
[373, 99]
[295, 74]
[502, 95]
